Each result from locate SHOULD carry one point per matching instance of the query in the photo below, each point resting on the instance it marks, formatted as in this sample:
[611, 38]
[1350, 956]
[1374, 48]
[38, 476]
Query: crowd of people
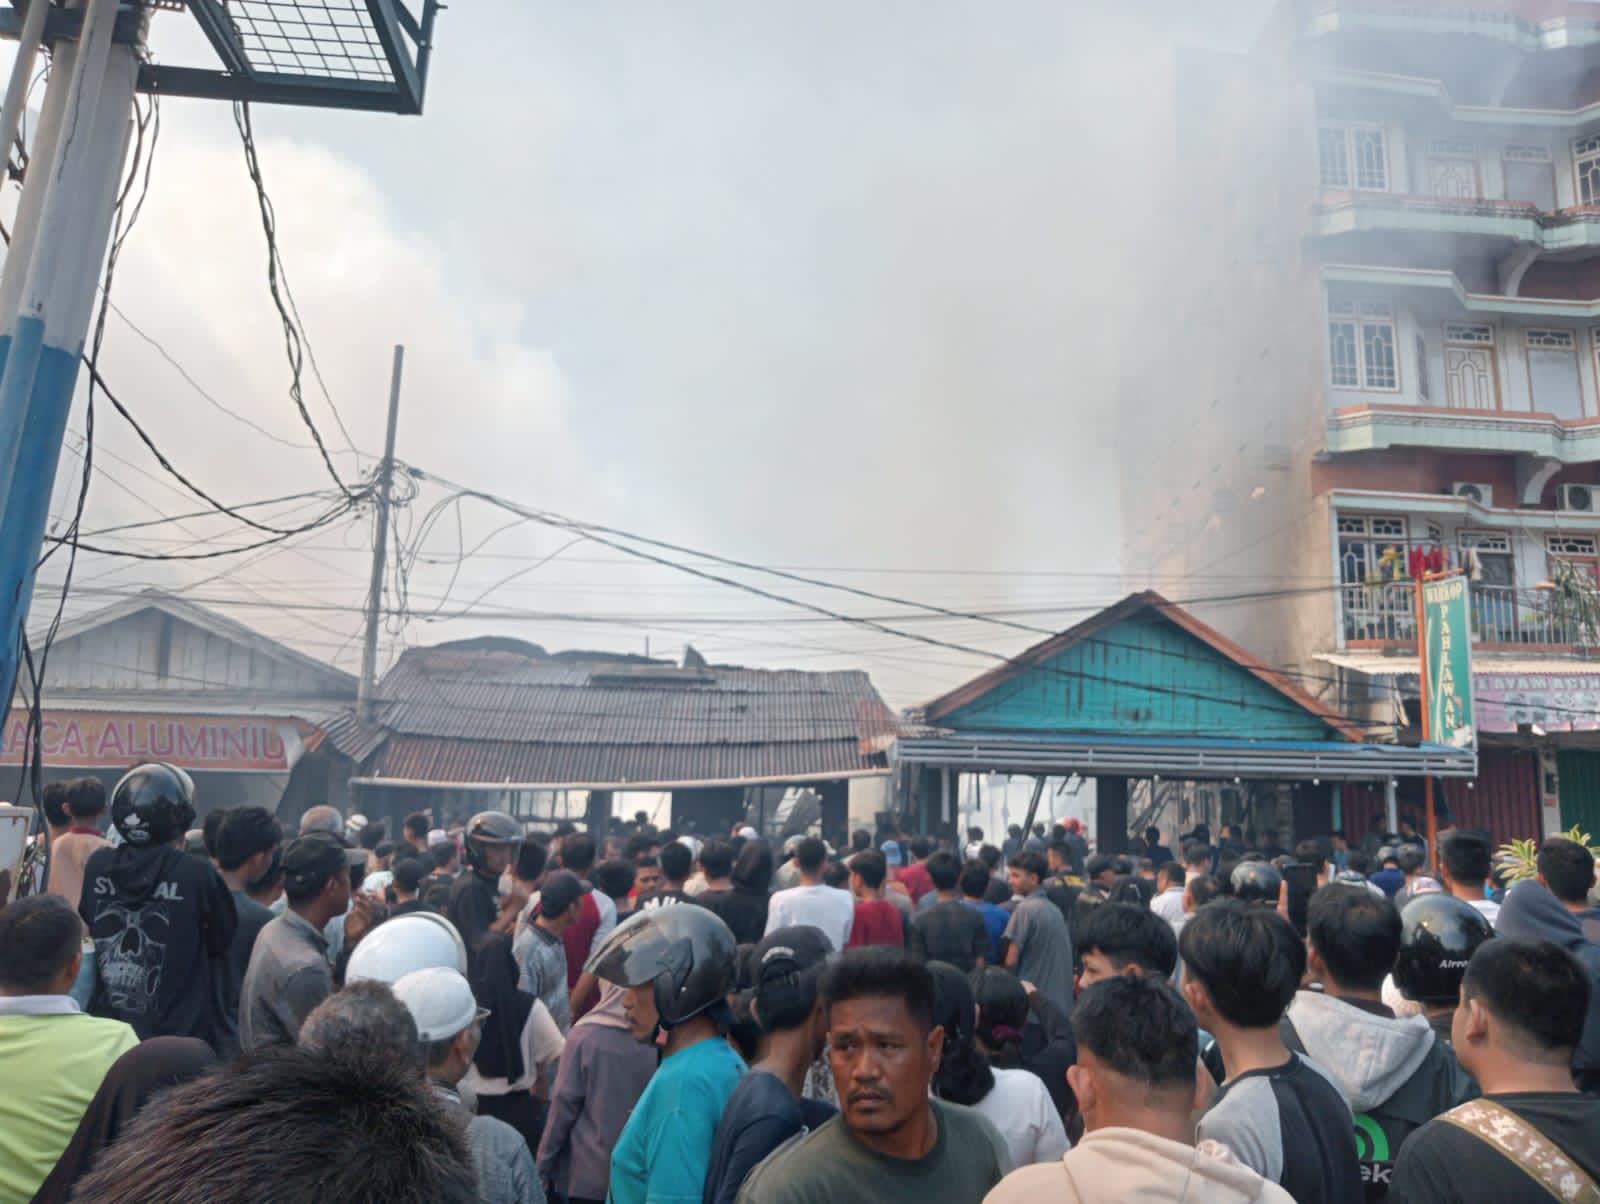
[479, 1011]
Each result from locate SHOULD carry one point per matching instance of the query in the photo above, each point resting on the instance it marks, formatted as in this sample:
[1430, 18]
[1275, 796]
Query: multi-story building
[1380, 340]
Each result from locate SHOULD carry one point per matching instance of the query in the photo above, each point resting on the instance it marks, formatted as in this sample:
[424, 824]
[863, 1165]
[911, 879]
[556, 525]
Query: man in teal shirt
[675, 966]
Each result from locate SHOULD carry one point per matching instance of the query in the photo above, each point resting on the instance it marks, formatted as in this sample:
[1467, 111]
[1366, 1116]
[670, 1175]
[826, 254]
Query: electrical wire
[277, 284]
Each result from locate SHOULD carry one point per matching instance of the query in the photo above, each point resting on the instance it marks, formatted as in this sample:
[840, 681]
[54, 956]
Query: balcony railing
[1501, 614]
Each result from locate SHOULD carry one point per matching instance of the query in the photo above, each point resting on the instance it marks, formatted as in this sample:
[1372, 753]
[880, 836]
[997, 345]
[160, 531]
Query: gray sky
[826, 284]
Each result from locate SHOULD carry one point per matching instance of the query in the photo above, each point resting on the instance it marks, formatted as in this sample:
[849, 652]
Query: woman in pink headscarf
[603, 1073]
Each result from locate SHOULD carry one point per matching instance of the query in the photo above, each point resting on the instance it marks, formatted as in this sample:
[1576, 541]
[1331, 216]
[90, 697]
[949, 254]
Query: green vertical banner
[1447, 636]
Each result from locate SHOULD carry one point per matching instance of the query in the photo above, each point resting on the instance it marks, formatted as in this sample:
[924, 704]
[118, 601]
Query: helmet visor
[635, 953]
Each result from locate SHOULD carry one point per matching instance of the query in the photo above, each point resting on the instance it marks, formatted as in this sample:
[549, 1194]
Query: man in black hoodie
[162, 922]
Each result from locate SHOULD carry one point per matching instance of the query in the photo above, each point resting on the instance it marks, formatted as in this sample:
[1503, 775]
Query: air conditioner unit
[1579, 498]
[1473, 491]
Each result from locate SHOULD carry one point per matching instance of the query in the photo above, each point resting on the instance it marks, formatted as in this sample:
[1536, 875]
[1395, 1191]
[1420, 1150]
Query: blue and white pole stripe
[47, 292]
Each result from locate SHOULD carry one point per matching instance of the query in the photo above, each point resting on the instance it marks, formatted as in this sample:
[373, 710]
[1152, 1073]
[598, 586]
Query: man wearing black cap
[289, 971]
[539, 949]
[766, 1108]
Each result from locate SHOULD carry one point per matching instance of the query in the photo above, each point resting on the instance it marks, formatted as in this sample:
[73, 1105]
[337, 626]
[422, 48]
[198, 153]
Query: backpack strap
[1536, 1154]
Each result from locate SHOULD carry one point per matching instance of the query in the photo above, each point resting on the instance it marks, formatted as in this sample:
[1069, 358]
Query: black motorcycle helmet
[1256, 882]
[1438, 935]
[489, 829]
[152, 805]
[687, 952]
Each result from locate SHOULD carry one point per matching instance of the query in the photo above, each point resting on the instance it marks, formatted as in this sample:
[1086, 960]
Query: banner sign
[1447, 634]
[1568, 702]
[108, 740]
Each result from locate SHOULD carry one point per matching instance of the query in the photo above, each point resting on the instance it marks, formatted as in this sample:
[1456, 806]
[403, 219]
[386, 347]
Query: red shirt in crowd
[580, 937]
[877, 922]
[916, 880]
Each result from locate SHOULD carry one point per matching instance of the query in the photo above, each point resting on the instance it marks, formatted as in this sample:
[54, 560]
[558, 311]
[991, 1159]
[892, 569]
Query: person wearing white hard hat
[450, 1026]
[415, 941]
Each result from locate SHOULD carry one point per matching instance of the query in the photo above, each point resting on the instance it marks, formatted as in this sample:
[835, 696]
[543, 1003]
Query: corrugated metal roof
[350, 736]
[474, 716]
[420, 759]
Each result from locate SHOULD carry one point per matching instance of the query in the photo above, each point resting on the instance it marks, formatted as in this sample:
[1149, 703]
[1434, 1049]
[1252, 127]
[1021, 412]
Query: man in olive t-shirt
[890, 1141]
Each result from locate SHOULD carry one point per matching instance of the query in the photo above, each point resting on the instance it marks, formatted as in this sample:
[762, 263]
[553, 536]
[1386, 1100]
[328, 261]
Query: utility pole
[64, 216]
[58, 243]
[380, 546]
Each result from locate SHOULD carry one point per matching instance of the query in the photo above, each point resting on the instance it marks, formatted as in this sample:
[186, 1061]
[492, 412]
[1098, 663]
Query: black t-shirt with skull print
[162, 922]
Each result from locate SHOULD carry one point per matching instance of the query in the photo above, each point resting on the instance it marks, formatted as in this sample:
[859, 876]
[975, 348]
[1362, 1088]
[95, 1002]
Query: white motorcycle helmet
[419, 940]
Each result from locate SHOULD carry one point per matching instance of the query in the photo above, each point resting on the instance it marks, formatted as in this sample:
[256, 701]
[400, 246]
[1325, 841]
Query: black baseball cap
[786, 951]
[313, 858]
[559, 891]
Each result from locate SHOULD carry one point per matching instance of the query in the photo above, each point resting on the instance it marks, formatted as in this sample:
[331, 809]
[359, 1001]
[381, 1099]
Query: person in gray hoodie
[1395, 1073]
[1532, 913]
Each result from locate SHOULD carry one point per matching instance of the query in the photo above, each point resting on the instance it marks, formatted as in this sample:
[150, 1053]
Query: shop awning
[1189, 759]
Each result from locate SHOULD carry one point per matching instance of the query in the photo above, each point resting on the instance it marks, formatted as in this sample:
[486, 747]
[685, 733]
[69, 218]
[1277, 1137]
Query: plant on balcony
[1521, 857]
[1574, 601]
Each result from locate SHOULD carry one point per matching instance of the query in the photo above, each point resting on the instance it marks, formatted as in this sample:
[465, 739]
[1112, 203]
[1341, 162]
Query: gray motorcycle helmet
[686, 951]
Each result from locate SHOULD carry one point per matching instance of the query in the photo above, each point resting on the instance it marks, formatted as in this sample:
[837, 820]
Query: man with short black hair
[52, 1056]
[446, 861]
[950, 931]
[406, 887]
[1137, 1087]
[646, 879]
[289, 974]
[1120, 938]
[877, 921]
[245, 846]
[915, 877]
[1198, 858]
[975, 883]
[1309, 852]
[1395, 1073]
[1568, 870]
[676, 861]
[1168, 903]
[823, 907]
[1464, 860]
[1412, 859]
[1040, 949]
[1157, 852]
[1101, 872]
[1281, 1114]
[1522, 1012]
[892, 1140]
[70, 852]
[415, 831]
[1532, 912]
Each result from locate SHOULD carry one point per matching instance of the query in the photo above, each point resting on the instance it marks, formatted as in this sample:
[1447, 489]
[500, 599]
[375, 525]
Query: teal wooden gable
[1141, 668]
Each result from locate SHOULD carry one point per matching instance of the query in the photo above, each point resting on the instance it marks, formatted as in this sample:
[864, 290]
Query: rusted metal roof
[496, 718]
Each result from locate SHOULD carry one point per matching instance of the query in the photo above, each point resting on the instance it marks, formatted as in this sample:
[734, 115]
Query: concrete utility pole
[58, 243]
[373, 56]
[380, 547]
